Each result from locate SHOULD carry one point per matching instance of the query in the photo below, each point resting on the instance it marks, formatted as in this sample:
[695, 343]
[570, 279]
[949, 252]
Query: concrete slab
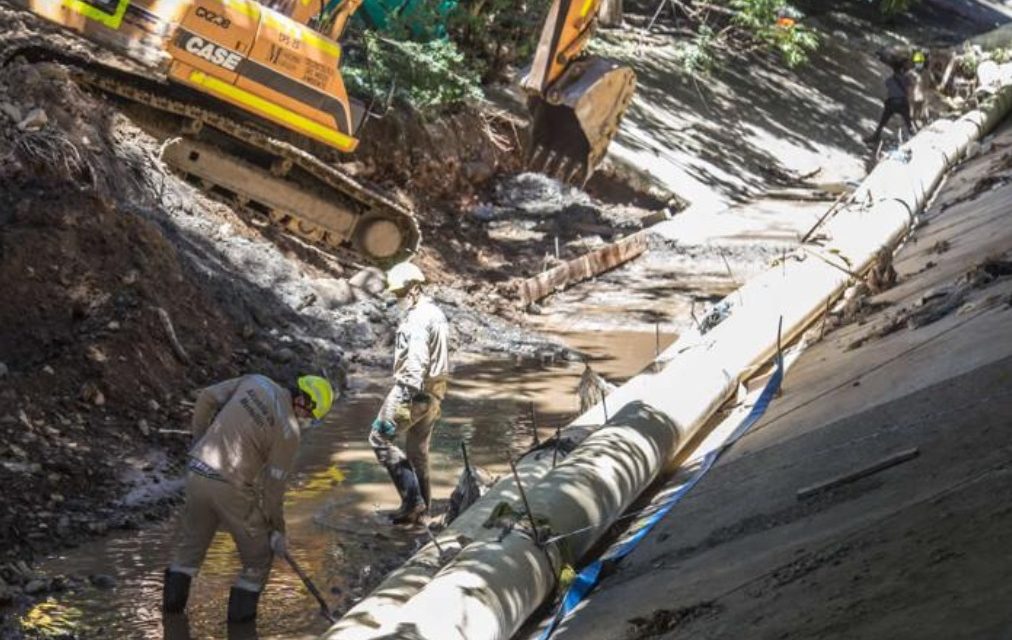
[922, 549]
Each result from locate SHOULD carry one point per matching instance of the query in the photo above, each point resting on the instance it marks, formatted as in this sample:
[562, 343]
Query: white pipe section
[492, 586]
[362, 620]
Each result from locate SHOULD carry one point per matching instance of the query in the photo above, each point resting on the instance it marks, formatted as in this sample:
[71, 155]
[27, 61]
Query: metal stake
[467, 464]
[692, 314]
[534, 425]
[523, 497]
[558, 441]
[439, 549]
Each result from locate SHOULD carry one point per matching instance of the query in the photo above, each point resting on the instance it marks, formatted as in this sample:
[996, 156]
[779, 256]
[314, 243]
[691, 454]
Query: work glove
[278, 544]
[385, 428]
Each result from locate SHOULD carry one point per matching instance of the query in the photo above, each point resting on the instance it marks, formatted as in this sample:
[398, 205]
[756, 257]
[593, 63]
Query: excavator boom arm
[564, 36]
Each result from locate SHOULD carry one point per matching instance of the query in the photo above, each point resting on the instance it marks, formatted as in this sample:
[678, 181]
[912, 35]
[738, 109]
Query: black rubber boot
[412, 505]
[176, 626]
[176, 591]
[394, 472]
[242, 605]
[409, 513]
[424, 488]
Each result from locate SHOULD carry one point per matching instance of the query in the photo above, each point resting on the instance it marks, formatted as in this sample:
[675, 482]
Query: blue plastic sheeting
[588, 578]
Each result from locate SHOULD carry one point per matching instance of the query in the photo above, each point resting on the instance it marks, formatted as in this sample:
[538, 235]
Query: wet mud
[335, 506]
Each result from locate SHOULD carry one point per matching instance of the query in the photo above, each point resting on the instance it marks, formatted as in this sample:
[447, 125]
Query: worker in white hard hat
[246, 433]
[421, 372]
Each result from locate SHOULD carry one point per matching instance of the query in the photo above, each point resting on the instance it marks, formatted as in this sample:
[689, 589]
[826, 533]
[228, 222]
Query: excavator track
[363, 225]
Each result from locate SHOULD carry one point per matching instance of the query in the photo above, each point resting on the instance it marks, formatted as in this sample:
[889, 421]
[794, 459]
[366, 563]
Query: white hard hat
[403, 275]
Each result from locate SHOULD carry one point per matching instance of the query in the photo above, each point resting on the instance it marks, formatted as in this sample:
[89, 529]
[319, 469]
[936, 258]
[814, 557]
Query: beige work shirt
[420, 353]
[246, 431]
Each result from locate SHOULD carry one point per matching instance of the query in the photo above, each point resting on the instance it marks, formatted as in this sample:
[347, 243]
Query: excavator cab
[576, 100]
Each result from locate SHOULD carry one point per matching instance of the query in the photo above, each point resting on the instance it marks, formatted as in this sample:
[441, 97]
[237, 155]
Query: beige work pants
[213, 504]
[415, 420]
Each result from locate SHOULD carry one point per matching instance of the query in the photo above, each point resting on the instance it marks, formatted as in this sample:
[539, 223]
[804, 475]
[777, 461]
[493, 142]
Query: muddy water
[334, 507]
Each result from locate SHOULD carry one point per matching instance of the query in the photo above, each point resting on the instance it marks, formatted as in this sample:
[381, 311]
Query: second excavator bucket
[573, 124]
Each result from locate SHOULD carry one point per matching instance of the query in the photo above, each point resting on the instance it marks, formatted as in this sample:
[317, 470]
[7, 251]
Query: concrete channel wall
[498, 577]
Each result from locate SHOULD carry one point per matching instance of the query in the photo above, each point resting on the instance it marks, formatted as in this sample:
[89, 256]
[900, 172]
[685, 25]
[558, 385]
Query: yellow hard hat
[320, 391]
[403, 275]
[918, 56]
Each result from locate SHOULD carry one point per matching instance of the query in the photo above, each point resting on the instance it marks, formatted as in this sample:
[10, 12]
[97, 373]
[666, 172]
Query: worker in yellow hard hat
[421, 373]
[246, 432]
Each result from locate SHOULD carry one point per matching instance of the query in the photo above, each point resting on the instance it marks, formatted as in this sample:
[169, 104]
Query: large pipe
[493, 585]
[400, 585]
[602, 477]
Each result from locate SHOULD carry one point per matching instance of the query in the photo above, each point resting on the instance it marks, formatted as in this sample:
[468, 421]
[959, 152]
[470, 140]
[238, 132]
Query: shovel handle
[324, 609]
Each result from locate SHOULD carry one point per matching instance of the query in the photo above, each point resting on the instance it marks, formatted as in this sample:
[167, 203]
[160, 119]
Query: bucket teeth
[562, 171]
[550, 162]
[536, 156]
[578, 175]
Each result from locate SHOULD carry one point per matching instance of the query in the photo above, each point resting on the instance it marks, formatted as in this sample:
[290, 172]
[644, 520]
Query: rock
[98, 528]
[477, 171]
[153, 405]
[112, 326]
[12, 111]
[27, 468]
[102, 581]
[284, 354]
[34, 121]
[4, 371]
[92, 394]
[36, 586]
[369, 280]
[48, 370]
[7, 594]
[53, 71]
[334, 292]
[988, 76]
[143, 427]
[484, 213]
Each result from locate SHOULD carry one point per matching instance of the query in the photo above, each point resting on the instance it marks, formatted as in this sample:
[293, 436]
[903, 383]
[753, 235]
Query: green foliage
[497, 33]
[426, 75]
[474, 43]
[1001, 55]
[697, 56]
[893, 7]
[759, 18]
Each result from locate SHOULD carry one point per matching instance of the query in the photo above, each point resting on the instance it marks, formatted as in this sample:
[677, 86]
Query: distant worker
[920, 85]
[246, 432]
[421, 372]
[897, 101]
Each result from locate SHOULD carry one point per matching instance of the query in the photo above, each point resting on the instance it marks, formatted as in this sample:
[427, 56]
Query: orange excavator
[251, 102]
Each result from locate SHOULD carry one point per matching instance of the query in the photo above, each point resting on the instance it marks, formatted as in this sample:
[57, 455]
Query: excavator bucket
[572, 125]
